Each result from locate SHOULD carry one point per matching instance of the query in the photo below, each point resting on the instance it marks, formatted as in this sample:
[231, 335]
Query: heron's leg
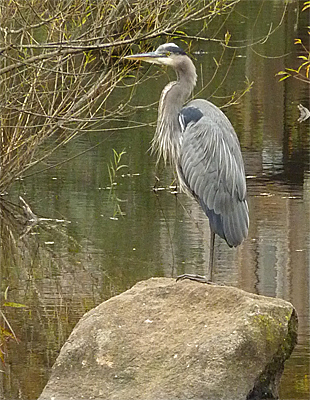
[155, 188]
[201, 278]
[211, 257]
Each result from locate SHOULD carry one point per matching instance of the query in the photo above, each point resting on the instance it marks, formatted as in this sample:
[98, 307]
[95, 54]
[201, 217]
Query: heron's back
[210, 165]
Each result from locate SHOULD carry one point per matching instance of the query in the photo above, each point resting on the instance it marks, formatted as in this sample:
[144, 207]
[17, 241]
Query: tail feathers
[233, 226]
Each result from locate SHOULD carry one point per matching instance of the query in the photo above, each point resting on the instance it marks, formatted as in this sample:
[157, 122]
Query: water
[104, 236]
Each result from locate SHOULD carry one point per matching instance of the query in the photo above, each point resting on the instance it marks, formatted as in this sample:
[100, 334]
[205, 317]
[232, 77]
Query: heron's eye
[168, 53]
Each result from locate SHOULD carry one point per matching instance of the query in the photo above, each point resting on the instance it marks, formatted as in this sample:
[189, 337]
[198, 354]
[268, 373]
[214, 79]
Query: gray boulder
[167, 340]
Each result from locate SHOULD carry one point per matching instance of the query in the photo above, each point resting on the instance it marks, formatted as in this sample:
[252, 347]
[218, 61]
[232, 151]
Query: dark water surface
[103, 234]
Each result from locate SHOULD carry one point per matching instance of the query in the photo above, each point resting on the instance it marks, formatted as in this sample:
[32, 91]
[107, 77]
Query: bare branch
[61, 61]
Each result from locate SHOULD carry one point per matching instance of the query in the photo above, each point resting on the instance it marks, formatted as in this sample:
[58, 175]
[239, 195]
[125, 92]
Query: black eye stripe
[174, 50]
[166, 50]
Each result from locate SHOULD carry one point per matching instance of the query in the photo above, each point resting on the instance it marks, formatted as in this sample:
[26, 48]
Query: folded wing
[211, 167]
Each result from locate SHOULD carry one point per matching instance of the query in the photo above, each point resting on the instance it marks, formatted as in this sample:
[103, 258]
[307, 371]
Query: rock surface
[167, 340]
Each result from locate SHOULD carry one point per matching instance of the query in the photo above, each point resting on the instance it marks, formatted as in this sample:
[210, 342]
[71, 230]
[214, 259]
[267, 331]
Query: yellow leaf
[227, 37]
[306, 5]
[284, 77]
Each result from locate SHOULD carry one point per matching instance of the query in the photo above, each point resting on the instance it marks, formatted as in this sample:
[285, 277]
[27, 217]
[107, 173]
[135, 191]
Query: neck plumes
[168, 131]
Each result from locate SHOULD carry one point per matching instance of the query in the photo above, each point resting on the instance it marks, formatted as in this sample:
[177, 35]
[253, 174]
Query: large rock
[163, 340]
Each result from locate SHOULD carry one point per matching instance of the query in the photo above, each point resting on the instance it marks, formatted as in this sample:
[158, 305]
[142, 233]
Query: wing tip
[232, 227]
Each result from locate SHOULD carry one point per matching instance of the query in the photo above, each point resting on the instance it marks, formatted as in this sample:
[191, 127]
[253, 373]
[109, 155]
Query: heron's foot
[194, 277]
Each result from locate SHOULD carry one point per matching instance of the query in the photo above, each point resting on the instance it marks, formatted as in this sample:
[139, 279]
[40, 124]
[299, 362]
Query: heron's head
[166, 54]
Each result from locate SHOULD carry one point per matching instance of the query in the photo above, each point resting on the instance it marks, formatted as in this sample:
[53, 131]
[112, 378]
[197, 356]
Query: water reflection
[60, 269]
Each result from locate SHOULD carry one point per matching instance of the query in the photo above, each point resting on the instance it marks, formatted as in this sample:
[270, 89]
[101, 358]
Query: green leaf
[216, 63]
[6, 334]
[14, 305]
[1, 356]
[6, 293]
[181, 33]
[121, 166]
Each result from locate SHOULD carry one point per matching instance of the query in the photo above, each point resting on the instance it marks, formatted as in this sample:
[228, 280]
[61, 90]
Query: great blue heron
[200, 142]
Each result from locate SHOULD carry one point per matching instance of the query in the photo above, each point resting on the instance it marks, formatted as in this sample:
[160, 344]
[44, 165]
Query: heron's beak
[151, 57]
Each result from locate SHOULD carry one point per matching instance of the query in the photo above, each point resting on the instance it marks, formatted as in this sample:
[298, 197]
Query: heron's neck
[174, 95]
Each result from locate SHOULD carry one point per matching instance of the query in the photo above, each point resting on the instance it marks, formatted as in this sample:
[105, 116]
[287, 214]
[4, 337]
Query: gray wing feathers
[211, 167]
